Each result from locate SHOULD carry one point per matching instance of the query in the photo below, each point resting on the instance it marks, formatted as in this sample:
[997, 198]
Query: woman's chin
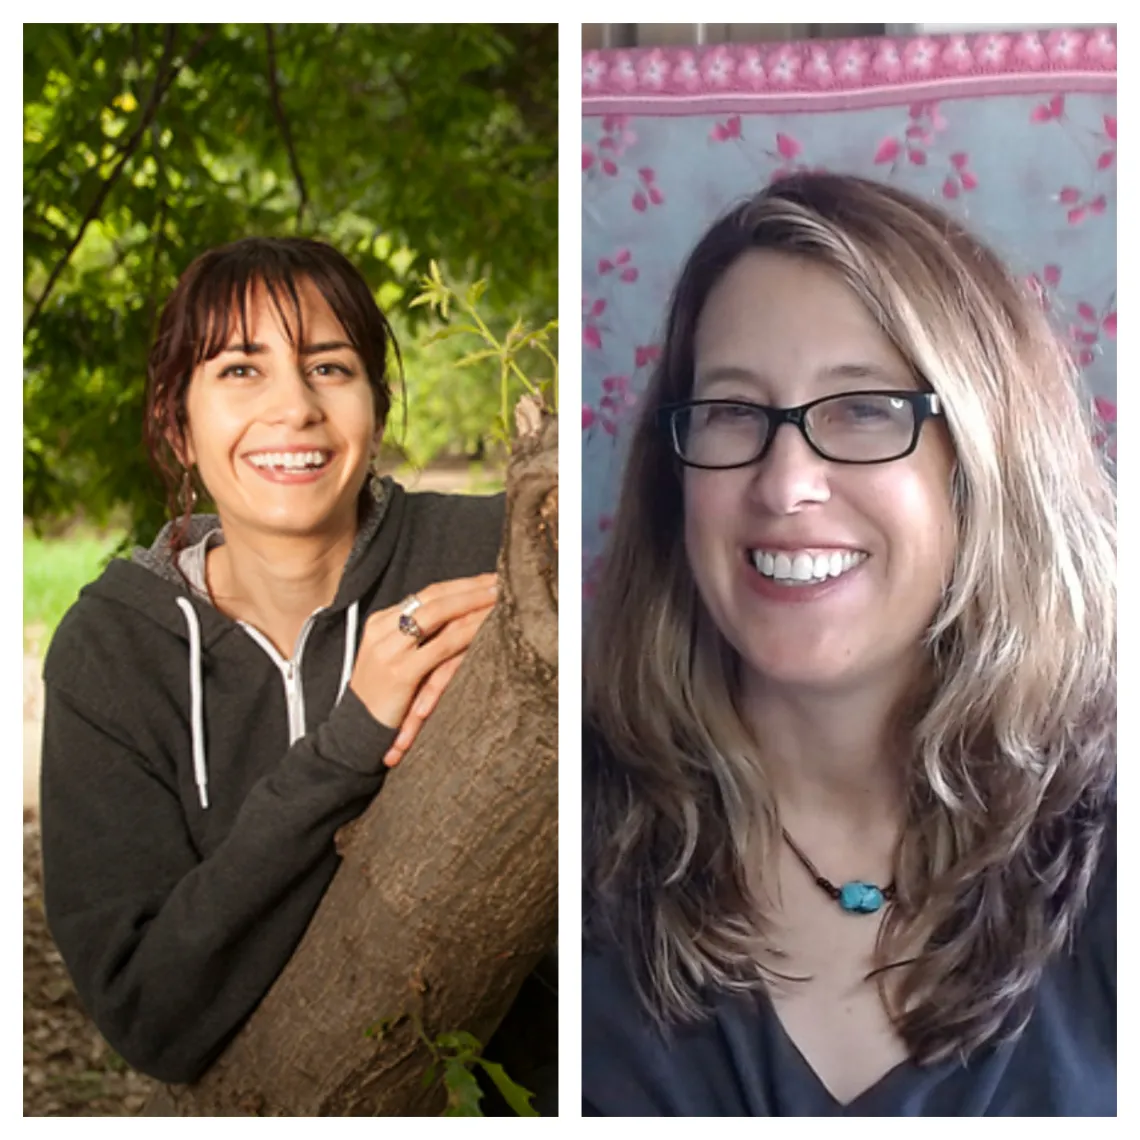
[294, 520]
[799, 670]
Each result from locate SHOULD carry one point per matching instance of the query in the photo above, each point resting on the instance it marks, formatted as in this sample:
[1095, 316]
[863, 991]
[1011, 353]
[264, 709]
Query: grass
[54, 571]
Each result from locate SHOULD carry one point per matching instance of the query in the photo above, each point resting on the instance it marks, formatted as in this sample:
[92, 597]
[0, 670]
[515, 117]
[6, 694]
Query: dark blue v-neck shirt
[741, 1062]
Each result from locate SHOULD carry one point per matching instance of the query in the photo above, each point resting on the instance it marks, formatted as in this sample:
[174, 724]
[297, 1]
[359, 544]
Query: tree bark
[447, 895]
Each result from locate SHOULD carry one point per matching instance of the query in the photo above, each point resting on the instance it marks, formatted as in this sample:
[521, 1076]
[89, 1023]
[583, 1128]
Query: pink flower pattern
[1029, 50]
[784, 66]
[654, 70]
[1064, 46]
[991, 50]
[1104, 418]
[921, 56]
[957, 55]
[841, 64]
[818, 68]
[751, 70]
[718, 68]
[621, 266]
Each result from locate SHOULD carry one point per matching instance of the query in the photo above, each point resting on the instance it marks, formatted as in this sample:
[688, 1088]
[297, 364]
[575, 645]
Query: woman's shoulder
[117, 625]
[612, 1006]
[470, 510]
[1096, 934]
[451, 536]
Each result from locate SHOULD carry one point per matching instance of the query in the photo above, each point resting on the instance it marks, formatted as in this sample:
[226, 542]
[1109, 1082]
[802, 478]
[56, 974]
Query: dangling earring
[187, 495]
[376, 486]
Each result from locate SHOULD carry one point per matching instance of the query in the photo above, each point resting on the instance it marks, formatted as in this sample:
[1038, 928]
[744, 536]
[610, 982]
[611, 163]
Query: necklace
[855, 897]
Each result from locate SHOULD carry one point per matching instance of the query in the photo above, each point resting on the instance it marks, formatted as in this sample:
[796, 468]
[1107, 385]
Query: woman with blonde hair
[850, 693]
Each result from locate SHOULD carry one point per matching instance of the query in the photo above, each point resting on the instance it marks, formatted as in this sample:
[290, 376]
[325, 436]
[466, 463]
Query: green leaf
[477, 355]
[380, 1029]
[444, 332]
[428, 1077]
[461, 1042]
[512, 1092]
[463, 1091]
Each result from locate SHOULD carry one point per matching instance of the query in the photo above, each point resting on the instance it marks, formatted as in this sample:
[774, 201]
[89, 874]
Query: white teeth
[290, 460]
[802, 567]
[806, 566]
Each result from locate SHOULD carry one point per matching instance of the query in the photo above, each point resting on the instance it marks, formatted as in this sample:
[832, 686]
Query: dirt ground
[69, 1070]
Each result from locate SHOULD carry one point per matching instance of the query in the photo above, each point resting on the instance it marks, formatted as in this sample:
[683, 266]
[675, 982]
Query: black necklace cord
[824, 884]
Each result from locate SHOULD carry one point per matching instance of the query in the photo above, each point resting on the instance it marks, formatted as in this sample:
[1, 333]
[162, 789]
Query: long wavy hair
[1013, 745]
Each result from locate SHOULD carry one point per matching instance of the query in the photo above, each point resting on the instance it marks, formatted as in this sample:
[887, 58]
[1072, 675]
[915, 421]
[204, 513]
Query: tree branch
[167, 72]
[156, 227]
[283, 122]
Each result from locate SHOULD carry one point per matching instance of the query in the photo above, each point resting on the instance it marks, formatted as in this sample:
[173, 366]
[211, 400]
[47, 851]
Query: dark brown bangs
[218, 309]
[211, 304]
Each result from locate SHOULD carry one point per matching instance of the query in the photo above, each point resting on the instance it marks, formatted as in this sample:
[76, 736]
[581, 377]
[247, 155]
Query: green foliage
[145, 145]
[503, 363]
[55, 569]
[454, 1057]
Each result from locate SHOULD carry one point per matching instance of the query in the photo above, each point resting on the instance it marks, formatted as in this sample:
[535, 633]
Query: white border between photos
[569, 571]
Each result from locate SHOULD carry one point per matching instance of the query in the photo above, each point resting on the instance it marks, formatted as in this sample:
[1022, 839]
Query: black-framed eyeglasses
[852, 427]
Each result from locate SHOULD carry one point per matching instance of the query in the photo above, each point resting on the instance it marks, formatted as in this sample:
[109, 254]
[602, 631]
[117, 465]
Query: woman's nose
[791, 476]
[292, 400]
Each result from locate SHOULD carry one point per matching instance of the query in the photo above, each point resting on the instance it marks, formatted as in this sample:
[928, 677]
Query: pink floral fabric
[1013, 132]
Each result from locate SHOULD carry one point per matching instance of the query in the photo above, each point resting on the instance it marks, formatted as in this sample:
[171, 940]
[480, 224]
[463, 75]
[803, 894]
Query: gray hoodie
[193, 781]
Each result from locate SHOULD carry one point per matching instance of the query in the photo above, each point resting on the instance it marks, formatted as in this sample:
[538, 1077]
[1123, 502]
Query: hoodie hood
[380, 496]
[150, 581]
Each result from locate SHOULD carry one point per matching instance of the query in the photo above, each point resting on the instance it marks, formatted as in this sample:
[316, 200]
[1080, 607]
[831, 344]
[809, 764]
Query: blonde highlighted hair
[1013, 746]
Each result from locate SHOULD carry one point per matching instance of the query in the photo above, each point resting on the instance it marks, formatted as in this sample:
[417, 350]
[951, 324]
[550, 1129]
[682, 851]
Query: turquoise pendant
[860, 898]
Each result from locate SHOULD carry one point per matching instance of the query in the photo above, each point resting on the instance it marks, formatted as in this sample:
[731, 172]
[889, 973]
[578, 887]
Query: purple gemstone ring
[408, 624]
[411, 627]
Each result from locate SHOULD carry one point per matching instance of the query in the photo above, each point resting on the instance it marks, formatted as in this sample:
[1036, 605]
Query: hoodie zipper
[290, 672]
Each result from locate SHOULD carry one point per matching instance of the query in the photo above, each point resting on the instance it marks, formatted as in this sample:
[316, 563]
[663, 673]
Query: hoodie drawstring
[349, 648]
[194, 629]
[197, 730]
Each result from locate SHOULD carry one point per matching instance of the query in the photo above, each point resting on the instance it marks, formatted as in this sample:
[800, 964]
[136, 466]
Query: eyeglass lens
[857, 428]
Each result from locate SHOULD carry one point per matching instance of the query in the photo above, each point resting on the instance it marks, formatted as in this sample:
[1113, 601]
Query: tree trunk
[447, 895]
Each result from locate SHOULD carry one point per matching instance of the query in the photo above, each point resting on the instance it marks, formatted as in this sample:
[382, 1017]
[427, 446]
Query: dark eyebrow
[325, 346]
[306, 349]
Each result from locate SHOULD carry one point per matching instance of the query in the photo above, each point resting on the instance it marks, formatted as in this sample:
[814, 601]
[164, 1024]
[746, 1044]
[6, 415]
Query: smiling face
[874, 542]
[282, 434]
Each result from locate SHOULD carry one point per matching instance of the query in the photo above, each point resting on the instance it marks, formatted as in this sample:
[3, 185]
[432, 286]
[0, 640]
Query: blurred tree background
[145, 145]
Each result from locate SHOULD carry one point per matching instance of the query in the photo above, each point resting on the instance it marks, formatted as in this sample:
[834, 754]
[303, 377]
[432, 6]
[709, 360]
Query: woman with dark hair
[219, 705]
[850, 692]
